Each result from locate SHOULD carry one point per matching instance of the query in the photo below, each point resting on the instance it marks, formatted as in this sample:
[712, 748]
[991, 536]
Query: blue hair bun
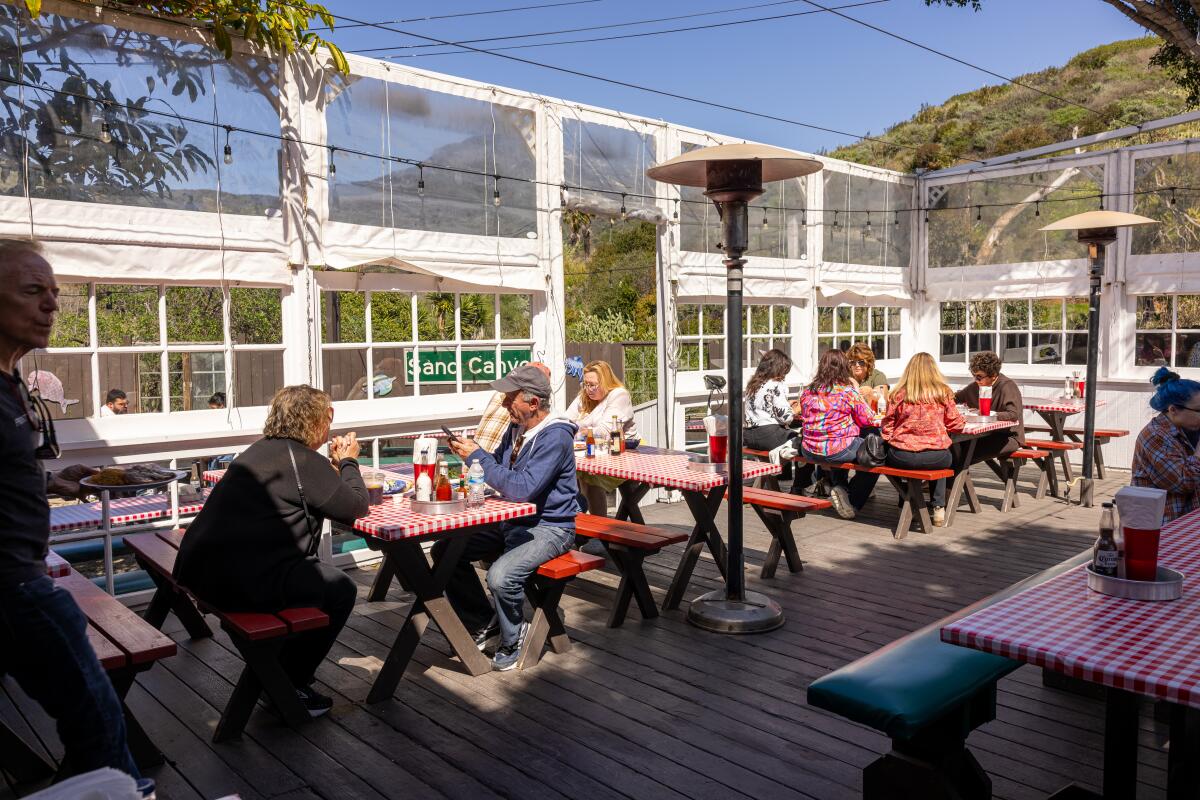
[1163, 375]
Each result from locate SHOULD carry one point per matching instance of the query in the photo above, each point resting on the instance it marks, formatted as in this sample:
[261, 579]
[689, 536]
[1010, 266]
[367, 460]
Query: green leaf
[339, 58]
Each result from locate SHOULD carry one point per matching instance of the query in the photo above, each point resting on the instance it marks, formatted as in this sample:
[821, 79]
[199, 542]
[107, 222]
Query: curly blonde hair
[298, 412]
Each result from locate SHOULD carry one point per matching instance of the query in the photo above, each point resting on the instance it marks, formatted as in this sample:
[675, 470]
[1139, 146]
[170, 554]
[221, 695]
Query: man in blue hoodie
[535, 463]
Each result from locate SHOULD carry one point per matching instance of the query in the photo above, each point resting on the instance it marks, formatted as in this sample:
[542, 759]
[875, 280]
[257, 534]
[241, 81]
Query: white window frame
[883, 364]
[1145, 371]
[752, 342]
[1026, 367]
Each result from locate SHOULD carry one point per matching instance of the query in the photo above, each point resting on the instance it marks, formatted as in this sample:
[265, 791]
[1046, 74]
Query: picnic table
[1130, 647]
[649, 467]
[964, 441]
[398, 532]
[123, 511]
[56, 565]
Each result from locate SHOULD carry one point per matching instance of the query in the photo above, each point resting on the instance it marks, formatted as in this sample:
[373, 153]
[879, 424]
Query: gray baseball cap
[527, 378]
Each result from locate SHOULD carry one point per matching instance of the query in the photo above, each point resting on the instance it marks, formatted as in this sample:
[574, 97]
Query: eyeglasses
[977, 376]
[39, 418]
[858, 363]
[1188, 408]
[591, 387]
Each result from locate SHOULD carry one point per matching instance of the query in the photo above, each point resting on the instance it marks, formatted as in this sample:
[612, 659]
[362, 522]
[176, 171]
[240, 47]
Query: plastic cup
[1079, 387]
[1141, 554]
[985, 405]
[374, 483]
[718, 448]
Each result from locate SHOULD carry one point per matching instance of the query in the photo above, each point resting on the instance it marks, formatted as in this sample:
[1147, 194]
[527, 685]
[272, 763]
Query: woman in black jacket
[252, 547]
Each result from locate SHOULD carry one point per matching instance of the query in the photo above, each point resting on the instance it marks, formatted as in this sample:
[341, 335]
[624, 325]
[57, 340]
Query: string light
[1100, 204]
[1037, 208]
[867, 229]
[420, 180]
[1172, 200]
[332, 164]
[896, 222]
[564, 195]
[496, 192]
[105, 133]
[766, 224]
[803, 219]
[228, 149]
[927, 216]
[978, 213]
[624, 213]
[835, 219]
[675, 216]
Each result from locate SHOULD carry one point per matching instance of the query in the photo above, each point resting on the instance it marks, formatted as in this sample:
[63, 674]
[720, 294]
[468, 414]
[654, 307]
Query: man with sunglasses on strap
[43, 634]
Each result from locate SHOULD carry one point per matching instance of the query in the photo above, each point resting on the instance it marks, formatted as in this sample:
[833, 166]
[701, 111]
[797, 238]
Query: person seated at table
[768, 412]
[601, 397]
[872, 384]
[253, 545]
[832, 412]
[920, 417]
[1164, 455]
[1007, 406]
[494, 421]
[534, 463]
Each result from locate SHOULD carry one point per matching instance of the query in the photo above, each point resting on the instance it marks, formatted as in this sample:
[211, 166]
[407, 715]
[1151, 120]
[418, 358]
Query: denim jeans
[859, 487]
[44, 646]
[515, 552]
[924, 459]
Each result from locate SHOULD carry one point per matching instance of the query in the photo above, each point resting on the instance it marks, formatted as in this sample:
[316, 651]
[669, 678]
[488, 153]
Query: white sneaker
[841, 502]
[939, 516]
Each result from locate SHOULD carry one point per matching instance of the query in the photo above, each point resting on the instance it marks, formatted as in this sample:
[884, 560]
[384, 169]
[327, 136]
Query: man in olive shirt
[1007, 405]
[43, 634]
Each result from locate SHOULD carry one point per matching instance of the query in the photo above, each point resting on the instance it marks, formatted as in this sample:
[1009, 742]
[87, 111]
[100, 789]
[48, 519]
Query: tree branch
[1158, 19]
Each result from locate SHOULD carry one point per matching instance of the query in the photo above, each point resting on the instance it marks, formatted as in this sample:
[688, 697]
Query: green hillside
[1117, 80]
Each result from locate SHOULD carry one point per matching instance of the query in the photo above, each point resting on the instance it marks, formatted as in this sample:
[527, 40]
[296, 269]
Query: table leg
[631, 493]
[1120, 744]
[429, 585]
[1057, 420]
[141, 746]
[704, 510]
[962, 483]
[1183, 759]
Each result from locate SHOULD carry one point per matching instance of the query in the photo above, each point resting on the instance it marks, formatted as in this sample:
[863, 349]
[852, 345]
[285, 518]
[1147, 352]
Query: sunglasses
[38, 415]
[979, 377]
[858, 363]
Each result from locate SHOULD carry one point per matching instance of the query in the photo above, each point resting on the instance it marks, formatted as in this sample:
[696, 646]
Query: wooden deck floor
[657, 709]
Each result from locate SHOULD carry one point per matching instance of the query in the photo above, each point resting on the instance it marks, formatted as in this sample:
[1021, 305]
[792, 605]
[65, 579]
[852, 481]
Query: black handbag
[872, 452]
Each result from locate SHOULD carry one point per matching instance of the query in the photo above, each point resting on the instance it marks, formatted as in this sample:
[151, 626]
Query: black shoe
[316, 704]
[486, 634]
[594, 547]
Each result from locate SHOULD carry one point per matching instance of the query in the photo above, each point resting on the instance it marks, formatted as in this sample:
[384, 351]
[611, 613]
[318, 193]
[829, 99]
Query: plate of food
[132, 476]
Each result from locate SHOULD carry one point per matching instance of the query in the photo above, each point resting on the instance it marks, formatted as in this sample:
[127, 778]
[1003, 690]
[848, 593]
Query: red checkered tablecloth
[978, 428]
[396, 520]
[666, 469]
[56, 565]
[1061, 405]
[123, 511]
[212, 476]
[1151, 648]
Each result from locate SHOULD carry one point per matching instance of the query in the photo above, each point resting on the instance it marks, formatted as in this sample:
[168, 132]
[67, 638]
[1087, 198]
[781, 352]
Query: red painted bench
[1102, 437]
[777, 510]
[259, 637]
[1008, 470]
[545, 590]
[628, 544]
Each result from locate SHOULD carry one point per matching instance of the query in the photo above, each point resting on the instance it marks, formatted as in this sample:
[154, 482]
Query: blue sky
[815, 68]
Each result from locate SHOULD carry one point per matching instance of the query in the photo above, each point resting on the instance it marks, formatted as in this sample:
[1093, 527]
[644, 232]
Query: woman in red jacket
[921, 416]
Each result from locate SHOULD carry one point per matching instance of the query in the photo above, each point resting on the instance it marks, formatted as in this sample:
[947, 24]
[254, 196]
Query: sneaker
[939, 516]
[594, 547]
[841, 502]
[145, 787]
[507, 654]
[486, 634]
[820, 488]
[316, 704]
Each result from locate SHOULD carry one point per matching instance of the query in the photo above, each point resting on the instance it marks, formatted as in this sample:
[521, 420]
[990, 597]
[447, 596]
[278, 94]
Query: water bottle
[475, 485]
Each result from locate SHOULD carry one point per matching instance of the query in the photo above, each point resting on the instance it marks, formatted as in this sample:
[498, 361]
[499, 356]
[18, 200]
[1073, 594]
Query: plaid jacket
[1163, 458]
[493, 424]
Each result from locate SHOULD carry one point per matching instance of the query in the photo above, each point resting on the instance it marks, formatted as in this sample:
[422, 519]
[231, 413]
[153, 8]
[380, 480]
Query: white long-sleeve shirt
[769, 406]
[616, 403]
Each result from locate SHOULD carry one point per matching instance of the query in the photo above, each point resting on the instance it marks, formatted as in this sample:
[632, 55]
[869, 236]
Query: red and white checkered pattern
[122, 512]
[666, 469]
[213, 476]
[56, 565]
[1151, 648]
[396, 520]
[1061, 405]
[980, 428]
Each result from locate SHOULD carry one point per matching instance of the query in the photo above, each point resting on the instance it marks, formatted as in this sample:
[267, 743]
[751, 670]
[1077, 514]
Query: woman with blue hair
[1165, 454]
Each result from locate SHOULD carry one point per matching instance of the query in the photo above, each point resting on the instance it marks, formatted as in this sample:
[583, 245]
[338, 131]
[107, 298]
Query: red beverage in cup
[985, 405]
[1141, 554]
[1079, 386]
[718, 448]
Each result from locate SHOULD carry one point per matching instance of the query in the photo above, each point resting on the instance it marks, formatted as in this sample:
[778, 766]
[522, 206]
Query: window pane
[954, 347]
[1151, 350]
[71, 322]
[844, 343]
[344, 373]
[194, 315]
[844, 317]
[477, 316]
[689, 320]
[760, 320]
[860, 320]
[136, 374]
[983, 315]
[1077, 314]
[1016, 315]
[1047, 348]
[126, 315]
[1153, 313]
[1187, 354]
[1016, 348]
[781, 319]
[713, 320]
[714, 354]
[255, 316]
[516, 316]
[391, 317]
[878, 319]
[825, 343]
[73, 371]
[256, 377]
[435, 317]
[195, 377]
[954, 316]
[877, 347]
[343, 317]
[388, 378]
[893, 347]
[982, 341]
[689, 357]
[893, 317]
[1188, 311]
[1077, 348]
[1047, 315]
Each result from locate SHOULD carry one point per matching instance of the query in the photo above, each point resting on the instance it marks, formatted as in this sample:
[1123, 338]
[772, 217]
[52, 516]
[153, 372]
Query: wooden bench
[628, 544]
[777, 510]
[1061, 449]
[927, 696]
[908, 483]
[155, 553]
[1102, 437]
[545, 590]
[259, 637]
[1008, 470]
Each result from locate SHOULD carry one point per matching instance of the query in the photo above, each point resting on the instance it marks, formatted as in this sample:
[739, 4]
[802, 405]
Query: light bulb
[420, 181]
[765, 224]
[496, 197]
[228, 154]
[105, 133]
[624, 212]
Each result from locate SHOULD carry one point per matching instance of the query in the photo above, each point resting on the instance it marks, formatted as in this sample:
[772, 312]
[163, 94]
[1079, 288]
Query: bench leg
[19, 761]
[544, 597]
[779, 525]
[262, 673]
[906, 508]
[1010, 471]
[167, 599]
[145, 753]
[633, 584]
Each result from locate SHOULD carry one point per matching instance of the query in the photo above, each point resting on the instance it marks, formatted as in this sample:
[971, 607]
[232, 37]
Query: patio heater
[731, 175]
[1096, 229]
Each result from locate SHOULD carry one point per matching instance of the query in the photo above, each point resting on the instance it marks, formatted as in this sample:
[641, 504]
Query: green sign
[479, 366]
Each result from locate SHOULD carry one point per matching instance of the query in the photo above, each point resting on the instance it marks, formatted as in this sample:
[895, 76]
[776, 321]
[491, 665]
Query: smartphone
[450, 434]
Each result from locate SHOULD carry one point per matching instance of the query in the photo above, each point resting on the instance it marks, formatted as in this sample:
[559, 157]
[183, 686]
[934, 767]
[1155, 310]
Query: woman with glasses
[1164, 456]
[872, 384]
[920, 417]
[601, 397]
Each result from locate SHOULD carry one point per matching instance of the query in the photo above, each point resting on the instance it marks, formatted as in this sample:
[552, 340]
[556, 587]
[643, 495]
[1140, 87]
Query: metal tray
[698, 462]
[131, 488]
[437, 507]
[1167, 585]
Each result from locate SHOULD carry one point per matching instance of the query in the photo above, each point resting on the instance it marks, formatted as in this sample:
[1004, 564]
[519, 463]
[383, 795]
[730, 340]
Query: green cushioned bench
[927, 696]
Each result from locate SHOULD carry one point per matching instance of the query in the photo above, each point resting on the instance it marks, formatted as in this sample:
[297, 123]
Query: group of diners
[849, 399]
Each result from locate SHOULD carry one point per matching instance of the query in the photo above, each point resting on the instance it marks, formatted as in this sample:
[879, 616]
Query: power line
[586, 28]
[463, 14]
[637, 35]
